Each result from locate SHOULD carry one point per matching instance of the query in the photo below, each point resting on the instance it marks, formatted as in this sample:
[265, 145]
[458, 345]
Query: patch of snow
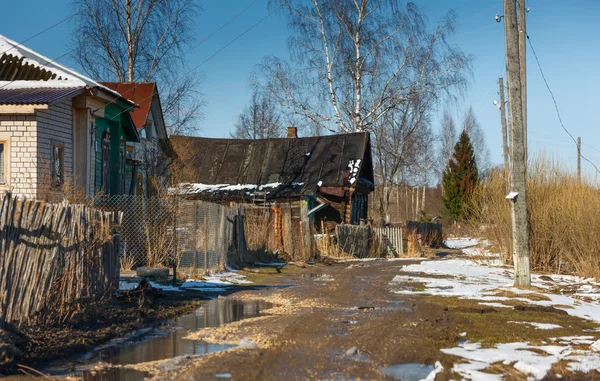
[492, 304]
[523, 356]
[537, 325]
[357, 260]
[193, 188]
[596, 346]
[127, 285]
[406, 259]
[469, 280]
[528, 362]
[165, 288]
[578, 340]
[223, 375]
[460, 243]
[438, 369]
[353, 167]
[227, 278]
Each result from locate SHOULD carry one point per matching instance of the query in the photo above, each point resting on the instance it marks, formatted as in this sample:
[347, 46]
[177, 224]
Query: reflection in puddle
[408, 372]
[160, 344]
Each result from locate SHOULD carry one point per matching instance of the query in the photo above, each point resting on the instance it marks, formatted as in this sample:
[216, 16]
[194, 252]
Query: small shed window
[58, 165]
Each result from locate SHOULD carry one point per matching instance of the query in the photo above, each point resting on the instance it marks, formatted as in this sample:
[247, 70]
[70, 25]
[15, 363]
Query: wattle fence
[54, 256]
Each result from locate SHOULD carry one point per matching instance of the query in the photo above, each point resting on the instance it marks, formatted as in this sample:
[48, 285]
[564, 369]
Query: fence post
[401, 242]
[175, 253]
[205, 243]
[240, 234]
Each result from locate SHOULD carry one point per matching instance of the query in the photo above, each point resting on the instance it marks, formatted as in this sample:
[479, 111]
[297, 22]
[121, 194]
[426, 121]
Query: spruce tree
[460, 178]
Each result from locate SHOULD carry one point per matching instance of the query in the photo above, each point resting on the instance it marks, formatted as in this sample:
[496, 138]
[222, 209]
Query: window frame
[5, 139]
[61, 147]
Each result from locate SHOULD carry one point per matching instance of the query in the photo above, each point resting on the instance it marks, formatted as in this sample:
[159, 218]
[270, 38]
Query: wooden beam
[21, 109]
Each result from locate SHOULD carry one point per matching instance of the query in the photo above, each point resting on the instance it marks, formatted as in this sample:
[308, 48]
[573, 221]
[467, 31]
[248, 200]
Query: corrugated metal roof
[35, 96]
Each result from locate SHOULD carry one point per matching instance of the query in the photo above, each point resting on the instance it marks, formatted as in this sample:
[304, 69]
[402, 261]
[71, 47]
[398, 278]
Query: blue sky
[566, 37]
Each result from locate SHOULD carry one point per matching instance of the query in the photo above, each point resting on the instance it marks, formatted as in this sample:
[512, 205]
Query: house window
[58, 165]
[4, 161]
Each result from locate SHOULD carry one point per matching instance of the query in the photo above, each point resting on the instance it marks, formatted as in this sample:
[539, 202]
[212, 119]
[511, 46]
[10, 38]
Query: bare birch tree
[354, 61]
[401, 144]
[477, 136]
[141, 41]
[259, 120]
[447, 140]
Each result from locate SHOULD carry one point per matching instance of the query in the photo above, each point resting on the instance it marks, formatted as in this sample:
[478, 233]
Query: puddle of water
[408, 372]
[162, 343]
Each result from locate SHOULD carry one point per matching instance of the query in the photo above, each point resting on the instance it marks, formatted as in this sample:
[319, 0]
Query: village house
[146, 168]
[325, 178]
[59, 130]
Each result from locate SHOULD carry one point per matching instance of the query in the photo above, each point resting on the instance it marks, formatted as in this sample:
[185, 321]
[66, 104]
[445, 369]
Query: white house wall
[21, 130]
[55, 126]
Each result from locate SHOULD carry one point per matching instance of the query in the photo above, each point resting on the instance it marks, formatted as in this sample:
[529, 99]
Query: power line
[217, 52]
[555, 103]
[41, 32]
[222, 27]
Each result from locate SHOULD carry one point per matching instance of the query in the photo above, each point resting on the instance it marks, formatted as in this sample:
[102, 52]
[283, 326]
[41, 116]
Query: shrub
[564, 217]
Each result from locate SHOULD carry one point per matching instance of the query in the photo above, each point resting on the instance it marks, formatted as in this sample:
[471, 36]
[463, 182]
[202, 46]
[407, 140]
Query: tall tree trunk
[130, 63]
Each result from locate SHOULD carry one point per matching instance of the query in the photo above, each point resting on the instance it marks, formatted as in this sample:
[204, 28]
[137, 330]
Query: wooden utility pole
[523, 66]
[520, 223]
[502, 107]
[579, 159]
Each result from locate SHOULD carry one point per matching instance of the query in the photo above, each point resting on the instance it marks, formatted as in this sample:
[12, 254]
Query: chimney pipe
[292, 132]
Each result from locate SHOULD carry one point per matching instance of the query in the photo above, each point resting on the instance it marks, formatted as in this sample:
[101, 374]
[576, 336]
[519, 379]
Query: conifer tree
[460, 178]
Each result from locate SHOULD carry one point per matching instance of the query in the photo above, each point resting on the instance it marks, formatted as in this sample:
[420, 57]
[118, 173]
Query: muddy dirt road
[342, 322]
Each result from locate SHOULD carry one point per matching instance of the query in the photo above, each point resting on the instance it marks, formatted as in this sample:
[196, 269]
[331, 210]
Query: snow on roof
[71, 78]
[193, 188]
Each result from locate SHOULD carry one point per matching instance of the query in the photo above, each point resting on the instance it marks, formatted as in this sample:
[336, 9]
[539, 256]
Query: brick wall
[21, 131]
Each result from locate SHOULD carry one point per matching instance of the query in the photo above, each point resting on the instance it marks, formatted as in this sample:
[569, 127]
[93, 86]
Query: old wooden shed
[323, 177]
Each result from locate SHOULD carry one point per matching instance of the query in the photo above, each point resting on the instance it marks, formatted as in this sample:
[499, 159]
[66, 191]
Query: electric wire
[41, 32]
[555, 103]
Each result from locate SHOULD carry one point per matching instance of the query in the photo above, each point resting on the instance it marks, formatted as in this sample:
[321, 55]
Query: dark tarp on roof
[12, 68]
[36, 96]
[299, 164]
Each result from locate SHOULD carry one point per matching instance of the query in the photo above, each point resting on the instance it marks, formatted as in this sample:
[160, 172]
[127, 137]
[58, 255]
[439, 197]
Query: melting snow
[469, 280]
[464, 278]
[191, 188]
[522, 356]
[537, 325]
[460, 243]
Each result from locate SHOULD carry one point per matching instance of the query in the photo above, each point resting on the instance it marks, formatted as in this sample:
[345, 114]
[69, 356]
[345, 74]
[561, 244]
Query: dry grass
[564, 216]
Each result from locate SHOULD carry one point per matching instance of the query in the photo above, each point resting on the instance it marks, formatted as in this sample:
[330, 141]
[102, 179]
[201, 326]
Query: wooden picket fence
[391, 237]
[52, 257]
